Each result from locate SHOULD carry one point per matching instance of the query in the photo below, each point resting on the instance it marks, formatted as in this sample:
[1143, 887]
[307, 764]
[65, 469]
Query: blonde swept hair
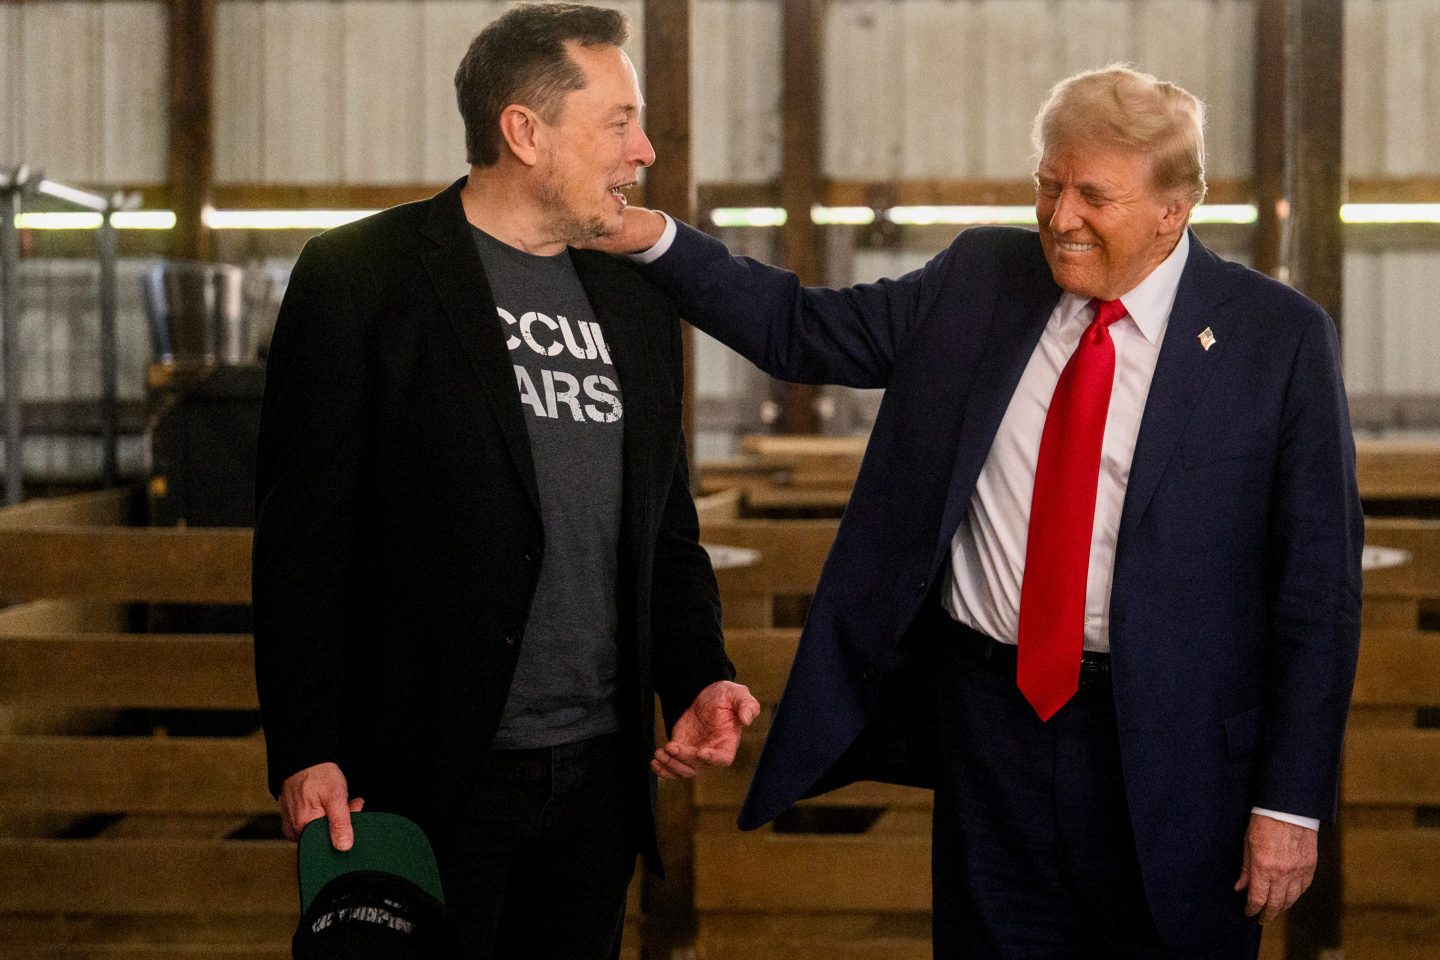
[1121, 107]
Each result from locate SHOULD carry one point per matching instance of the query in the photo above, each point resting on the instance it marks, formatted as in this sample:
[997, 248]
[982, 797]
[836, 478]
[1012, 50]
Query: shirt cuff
[1309, 823]
[662, 246]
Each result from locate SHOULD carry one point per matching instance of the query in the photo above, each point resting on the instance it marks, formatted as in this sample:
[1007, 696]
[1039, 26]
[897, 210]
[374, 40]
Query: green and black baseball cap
[379, 900]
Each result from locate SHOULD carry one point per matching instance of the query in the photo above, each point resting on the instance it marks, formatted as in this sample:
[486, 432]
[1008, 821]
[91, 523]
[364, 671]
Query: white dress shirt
[987, 554]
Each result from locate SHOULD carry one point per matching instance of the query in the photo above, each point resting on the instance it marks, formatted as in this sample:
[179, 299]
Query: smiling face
[594, 148]
[1103, 224]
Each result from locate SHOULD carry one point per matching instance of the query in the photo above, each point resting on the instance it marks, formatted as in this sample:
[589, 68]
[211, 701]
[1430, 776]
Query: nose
[642, 151]
[1063, 218]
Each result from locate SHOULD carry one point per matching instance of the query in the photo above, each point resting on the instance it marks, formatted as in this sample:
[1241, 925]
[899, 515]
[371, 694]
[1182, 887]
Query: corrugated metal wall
[360, 92]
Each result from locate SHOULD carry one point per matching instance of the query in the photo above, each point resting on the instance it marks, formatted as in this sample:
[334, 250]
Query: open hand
[708, 733]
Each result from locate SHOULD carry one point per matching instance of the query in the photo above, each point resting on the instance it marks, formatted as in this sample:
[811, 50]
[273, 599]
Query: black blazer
[398, 539]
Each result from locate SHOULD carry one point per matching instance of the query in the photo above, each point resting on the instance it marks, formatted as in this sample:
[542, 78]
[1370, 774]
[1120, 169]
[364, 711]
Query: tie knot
[1108, 311]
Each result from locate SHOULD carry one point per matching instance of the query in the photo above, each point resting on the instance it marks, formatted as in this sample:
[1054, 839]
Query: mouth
[618, 192]
[1071, 247]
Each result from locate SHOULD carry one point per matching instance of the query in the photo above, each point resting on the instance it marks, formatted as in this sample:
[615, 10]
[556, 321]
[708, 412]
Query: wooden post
[1272, 158]
[670, 186]
[1299, 186]
[1319, 262]
[800, 239]
[192, 162]
[670, 183]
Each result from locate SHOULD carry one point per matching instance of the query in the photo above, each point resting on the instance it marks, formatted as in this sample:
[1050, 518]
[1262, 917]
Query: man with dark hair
[476, 556]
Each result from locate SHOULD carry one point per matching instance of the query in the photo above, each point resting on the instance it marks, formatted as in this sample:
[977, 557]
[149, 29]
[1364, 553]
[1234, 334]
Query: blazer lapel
[454, 267]
[1021, 311]
[1180, 374]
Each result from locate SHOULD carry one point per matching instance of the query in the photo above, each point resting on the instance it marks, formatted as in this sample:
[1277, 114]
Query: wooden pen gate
[134, 819]
[1391, 795]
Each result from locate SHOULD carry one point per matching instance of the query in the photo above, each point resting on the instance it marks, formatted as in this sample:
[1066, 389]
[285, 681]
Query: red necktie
[1062, 519]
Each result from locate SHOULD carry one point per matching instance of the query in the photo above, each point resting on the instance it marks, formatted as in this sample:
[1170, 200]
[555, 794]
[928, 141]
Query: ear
[520, 128]
[1176, 216]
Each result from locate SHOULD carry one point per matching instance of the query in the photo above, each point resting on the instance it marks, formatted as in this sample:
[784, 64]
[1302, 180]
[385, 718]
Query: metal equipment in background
[18, 186]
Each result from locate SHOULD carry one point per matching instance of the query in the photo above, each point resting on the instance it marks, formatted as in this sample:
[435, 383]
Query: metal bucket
[197, 313]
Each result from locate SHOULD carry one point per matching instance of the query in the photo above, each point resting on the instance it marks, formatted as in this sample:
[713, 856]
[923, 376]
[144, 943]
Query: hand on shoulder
[640, 230]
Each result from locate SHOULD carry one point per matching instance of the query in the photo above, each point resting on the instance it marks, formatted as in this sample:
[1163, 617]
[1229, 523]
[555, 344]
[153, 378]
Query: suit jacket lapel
[1180, 374]
[454, 267]
[1021, 310]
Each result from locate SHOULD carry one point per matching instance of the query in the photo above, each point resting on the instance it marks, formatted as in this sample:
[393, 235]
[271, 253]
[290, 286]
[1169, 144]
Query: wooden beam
[1392, 768]
[211, 877]
[126, 564]
[192, 154]
[104, 507]
[800, 181]
[812, 873]
[162, 775]
[118, 671]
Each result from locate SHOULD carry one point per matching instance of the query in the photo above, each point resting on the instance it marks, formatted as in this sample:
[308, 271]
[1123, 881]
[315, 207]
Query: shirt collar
[1149, 304]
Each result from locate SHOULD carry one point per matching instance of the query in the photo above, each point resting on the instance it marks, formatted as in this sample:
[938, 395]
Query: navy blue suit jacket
[1234, 619]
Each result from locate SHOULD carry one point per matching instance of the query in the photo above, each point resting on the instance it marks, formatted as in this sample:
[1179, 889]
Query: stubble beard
[564, 224]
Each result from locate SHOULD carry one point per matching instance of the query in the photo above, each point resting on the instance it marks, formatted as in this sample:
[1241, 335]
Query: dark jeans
[1034, 857]
[542, 867]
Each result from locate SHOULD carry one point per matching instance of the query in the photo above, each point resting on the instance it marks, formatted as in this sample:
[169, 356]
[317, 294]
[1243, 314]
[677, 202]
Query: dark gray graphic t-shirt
[565, 681]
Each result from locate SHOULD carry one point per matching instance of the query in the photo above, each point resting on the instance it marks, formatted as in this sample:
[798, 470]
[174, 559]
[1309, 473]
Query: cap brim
[384, 842]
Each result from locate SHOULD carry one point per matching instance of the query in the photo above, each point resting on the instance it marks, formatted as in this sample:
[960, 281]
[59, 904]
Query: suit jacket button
[920, 587]
[511, 639]
[867, 674]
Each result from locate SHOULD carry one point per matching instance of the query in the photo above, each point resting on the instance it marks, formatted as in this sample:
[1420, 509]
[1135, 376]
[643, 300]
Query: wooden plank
[1398, 469]
[719, 506]
[1398, 668]
[56, 616]
[98, 508]
[144, 565]
[762, 659]
[1420, 578]
[791, 554]
[116, 670]
[144, 876]
[134, 774]
[1392, 767]
[769, 872]
[146, 951]
[1392, 868]
[722, 790]
[806, 936]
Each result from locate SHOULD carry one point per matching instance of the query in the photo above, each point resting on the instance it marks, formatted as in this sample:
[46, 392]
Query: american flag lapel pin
[1206, 338]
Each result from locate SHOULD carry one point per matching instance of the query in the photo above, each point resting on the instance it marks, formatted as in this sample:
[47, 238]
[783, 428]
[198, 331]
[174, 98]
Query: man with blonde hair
[1098, 581]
